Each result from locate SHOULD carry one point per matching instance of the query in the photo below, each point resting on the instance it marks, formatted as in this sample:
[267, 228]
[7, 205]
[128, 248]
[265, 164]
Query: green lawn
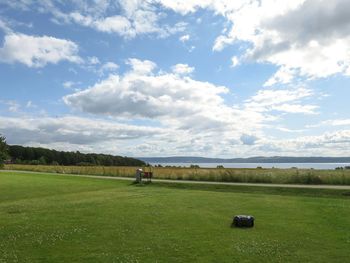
[54, 218]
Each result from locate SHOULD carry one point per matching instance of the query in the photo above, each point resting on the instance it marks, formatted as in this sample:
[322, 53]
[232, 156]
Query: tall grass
[277, 176]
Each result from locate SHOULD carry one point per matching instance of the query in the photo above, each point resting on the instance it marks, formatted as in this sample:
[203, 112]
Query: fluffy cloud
[13, 106]
[175, 101]
[283, 75]
[283, 100]
[140, 22]
[184, 7]
[125, 18]
[72, 130]
[287, 34]
[182, 69]
[235, 62]
[142, 93]
[187, 106]
[110, 66]
[37, 51]
[141, 66]
[290, 35]
[96, 135]
[335, 143]
[4, 26]
[68, 84]
[335, 122]
[132, 17]
[184, 38]
[113, 24]
[93, 61]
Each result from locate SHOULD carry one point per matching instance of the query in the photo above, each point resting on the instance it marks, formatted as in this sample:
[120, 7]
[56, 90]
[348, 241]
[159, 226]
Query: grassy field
[52, 218]
[249, 175]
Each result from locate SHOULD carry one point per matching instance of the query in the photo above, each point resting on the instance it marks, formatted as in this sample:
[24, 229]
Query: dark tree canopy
[38, 155]
[3, 150]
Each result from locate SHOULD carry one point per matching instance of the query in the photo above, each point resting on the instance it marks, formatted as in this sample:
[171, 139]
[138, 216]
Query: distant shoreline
[262, 160]
[317, 166]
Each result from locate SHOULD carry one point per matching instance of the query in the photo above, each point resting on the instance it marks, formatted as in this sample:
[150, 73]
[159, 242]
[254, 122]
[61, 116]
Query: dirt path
[340, 187]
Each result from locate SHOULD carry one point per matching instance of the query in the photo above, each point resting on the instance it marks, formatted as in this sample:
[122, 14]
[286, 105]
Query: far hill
[259, 159]
[37, 155]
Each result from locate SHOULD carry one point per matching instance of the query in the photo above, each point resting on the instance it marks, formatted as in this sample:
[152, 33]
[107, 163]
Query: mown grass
[249, 175]
[48, 218]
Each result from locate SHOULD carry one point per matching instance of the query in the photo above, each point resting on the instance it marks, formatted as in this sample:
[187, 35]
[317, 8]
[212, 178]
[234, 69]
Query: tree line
[36, 155]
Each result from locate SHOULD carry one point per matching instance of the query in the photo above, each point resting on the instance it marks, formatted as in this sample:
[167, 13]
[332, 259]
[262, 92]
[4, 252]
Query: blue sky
[163, 78]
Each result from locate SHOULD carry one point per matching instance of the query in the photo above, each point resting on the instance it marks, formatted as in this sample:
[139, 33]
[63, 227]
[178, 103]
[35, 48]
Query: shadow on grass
[308, 192]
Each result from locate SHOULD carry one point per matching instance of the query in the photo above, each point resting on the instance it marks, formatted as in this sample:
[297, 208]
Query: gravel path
[340, 187]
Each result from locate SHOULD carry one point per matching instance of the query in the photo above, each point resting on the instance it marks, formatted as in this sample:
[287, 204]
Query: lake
[321, 166]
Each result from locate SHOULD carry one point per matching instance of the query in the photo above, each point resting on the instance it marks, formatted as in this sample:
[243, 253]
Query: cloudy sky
[215, 78]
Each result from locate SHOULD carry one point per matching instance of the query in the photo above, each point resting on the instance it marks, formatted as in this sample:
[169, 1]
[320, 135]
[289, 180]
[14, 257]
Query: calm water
[264, 165]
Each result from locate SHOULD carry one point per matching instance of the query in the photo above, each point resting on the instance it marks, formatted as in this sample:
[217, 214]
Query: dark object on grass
[243, 221]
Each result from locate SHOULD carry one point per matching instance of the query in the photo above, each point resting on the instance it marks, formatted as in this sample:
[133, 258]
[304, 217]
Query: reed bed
[249, 175]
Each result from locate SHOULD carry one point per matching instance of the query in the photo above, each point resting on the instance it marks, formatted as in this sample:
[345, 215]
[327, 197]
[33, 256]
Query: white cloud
[283, 75]
[288, 34]
[133, 17]
[182, 69]
[37, 51]
[141, 66]
[195, 113]
[291, 35]
[189, 108]
[97, 135]
[137, 18]
[235, 62]
[69, 129]
[30, 104]
[296, 108]
[5, 27]
[71, 84]
[93, 60]
[338, 122]
[113, 24]
[13, 106]
[335, 143]
[221, 42]
[68, 84]
[332, 123]
[290, 130]
[283, 100]
[184, 38]
[268, 97]
[109, 67]
[141, 93]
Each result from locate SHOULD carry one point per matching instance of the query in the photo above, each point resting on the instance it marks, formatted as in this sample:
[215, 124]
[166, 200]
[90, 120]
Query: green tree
[42, 160]
[3, 150]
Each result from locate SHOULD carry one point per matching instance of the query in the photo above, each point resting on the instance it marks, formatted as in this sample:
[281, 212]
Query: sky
[212, 78]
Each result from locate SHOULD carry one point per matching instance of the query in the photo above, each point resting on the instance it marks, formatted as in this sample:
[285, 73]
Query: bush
[3, 151]
[42, 160]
